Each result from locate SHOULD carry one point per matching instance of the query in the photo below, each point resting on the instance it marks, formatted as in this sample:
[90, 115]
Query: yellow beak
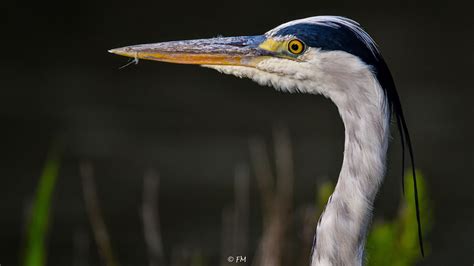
[237, 51]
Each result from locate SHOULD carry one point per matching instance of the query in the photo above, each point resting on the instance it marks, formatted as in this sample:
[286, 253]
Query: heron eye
[296, 46]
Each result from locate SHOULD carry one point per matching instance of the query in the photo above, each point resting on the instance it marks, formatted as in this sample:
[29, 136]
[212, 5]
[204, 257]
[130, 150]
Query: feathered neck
[342, 228]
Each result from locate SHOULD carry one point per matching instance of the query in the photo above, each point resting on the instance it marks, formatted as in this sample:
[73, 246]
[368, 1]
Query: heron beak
[237, 51]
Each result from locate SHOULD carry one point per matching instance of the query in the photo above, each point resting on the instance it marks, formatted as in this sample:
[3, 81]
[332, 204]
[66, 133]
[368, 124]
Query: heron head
[303, 55]
[326, 55]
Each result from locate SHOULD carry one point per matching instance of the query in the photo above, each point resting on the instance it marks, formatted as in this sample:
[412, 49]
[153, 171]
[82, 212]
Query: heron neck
[342, 228]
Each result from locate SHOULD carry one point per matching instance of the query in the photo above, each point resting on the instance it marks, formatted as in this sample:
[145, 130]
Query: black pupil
[294, 47]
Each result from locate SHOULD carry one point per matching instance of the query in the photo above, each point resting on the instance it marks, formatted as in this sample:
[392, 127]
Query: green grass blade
[35, 248]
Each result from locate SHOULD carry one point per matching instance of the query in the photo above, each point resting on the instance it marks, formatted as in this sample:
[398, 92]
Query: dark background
[193, 125]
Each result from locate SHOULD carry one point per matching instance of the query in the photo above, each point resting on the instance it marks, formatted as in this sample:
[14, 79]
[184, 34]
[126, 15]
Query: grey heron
[332, 56]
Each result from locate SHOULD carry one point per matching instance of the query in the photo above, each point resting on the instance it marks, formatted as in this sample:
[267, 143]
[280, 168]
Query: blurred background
[196, 129]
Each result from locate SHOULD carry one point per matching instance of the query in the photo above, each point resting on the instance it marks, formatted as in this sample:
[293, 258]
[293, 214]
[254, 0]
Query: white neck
[351, 85]
[342, 228]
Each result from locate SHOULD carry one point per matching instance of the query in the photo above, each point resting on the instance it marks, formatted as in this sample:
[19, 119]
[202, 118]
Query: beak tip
[124, 51]
[113, 51]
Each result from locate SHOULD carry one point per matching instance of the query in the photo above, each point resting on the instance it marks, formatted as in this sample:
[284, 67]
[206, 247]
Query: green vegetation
[35, 248]
[396, 242]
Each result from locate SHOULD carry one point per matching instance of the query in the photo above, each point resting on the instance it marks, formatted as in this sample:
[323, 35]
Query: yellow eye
[296, 46]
